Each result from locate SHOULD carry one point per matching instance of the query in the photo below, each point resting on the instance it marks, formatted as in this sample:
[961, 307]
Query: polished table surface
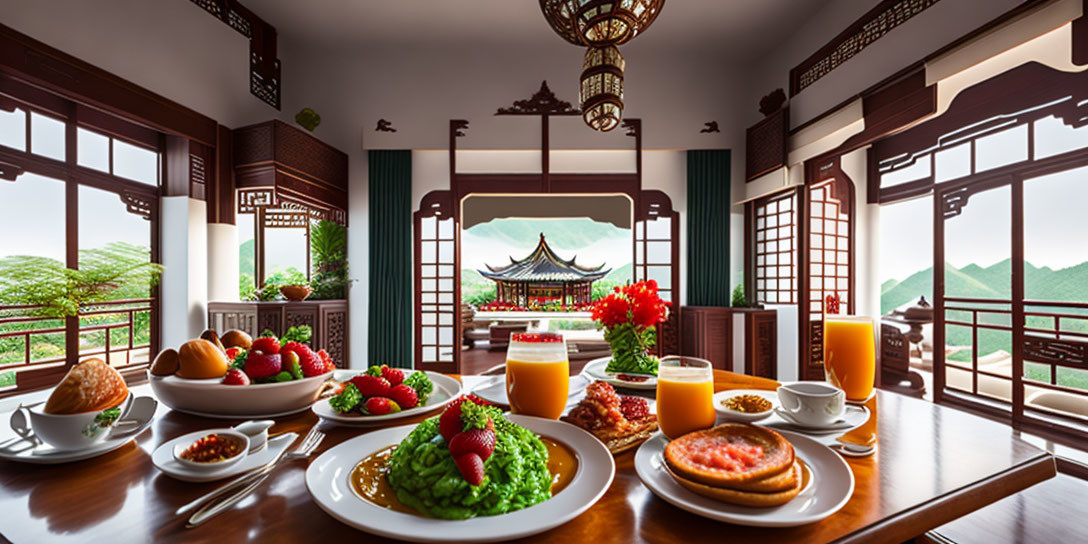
[933, 464]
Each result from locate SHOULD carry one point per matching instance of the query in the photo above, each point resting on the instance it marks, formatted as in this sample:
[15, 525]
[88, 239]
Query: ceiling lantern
[601, 89]
[601, 25]
[597, 23]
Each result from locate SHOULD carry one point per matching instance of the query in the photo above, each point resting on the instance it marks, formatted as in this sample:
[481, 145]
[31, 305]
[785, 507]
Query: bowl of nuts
[745, 405]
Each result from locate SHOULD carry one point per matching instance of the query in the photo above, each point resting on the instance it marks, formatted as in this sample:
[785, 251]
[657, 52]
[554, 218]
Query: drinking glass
[537, 374]
[685, 387]
[850, 355]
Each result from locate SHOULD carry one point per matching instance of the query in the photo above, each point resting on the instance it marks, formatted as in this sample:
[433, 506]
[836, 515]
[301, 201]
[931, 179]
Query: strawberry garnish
[371, 386]
[405, 396]
[379, 406]
[235, 377]
[394, 375]
[471, 467]
[478, 441]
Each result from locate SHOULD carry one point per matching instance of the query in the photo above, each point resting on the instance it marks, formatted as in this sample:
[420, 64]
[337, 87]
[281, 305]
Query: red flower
[638, 304]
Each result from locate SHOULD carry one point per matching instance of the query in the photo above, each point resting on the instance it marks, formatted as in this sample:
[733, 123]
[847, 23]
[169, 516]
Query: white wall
[184, 284]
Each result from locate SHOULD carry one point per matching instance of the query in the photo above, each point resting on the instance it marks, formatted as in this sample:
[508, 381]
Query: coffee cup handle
[789, 403]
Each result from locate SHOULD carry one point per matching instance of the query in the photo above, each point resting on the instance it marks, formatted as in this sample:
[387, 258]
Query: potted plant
[630, 316]
[328, 251]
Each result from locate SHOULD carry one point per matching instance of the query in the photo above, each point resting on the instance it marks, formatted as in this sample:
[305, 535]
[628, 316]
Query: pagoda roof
[543, 265]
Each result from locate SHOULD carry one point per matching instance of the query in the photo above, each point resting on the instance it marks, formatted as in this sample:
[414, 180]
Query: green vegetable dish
[425, 476]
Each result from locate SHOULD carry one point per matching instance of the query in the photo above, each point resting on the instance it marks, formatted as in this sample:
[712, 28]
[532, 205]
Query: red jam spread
[536, 337]
[635, 378]
[212, 449]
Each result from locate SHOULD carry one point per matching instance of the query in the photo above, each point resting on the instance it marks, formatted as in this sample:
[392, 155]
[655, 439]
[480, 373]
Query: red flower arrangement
[629, 316]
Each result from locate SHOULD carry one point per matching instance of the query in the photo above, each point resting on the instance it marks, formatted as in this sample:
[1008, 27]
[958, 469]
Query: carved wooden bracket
[9, 171]
[458, 127]
[772, 102]
[138, 204]
[264, 66]
[543, 102]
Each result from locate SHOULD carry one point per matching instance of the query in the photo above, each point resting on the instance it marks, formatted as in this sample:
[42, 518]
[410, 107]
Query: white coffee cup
[812, 403]
[73, 431]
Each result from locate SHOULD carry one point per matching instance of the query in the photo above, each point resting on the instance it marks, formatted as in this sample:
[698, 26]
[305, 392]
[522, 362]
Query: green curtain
[391, 302]
[708, 227]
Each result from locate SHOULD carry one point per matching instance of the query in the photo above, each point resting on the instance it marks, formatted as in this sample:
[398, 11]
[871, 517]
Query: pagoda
[543, 276]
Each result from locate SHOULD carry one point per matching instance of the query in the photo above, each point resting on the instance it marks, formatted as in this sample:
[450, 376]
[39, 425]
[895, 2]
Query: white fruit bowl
[213, 399]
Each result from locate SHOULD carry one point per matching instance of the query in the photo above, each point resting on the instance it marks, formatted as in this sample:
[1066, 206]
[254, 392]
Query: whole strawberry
[265, 344]
[325, 358]
[379, 406]
[394, 375]
[449, 423]
[235, 377]
[404, 396]
[311, 364]
[261, 365]
[371, 386]
[478, 441]
[471, 467]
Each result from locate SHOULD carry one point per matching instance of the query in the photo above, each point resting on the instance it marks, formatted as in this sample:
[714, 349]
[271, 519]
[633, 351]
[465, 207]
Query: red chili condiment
[211, 449]
[536, 337]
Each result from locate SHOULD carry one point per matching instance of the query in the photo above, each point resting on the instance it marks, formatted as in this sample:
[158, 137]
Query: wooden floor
[479, 359]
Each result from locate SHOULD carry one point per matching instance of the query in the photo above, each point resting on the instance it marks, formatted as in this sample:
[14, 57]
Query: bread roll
[200, 359]
[235, 338]
[166, 363]
[90, 386]
[213, 337]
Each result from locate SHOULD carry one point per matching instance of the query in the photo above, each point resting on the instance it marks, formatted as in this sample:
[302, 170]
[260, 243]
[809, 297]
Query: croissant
[90, 386]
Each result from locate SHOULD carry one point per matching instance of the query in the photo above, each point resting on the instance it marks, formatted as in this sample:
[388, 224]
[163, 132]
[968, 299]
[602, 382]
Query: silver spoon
[852, 450]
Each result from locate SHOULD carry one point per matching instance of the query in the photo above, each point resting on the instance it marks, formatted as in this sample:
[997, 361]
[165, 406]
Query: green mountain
[567, 233]
[994, 281]
[246, 251]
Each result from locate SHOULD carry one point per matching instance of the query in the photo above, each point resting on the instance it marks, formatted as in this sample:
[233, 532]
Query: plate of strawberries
[383, 394]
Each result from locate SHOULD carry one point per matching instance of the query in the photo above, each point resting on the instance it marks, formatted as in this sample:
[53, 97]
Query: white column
[222, 262]
[184, 290]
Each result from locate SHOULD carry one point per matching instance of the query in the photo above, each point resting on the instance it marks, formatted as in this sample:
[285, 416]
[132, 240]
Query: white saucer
[143, 411]
[445, 390]
[595, 369]
[831, 487]
[494, 391]
[852, 417]
[163, 458]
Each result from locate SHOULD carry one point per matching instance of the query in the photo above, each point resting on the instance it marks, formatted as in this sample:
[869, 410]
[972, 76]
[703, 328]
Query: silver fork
[222, 502]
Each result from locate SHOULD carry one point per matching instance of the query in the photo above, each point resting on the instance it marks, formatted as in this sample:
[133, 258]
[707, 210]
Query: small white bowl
[743, 417]
[240, 438]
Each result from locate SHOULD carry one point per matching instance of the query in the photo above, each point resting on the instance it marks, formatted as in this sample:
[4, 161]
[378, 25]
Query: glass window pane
[247, 255]
[285, 254]
[1053, 137]
[918, 170]
[13, 129]
[952, 163]
[1005, 147]
[135, 163]
[46, 136]
[93, 150]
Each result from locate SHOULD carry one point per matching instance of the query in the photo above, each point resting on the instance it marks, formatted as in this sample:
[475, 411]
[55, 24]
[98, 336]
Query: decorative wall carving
[766, 144]
[543, 102]
[139, 204]
[869, 28]
[710, 127]
[384, 126]
[772, 102]
[336, 334]
[251, 199]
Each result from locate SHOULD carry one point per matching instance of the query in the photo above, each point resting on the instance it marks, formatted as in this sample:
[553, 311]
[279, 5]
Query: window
[114, 184]
[775, 247]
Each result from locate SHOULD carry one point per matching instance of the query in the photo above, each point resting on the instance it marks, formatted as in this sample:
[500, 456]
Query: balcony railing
[118, 331]
[1055, 352]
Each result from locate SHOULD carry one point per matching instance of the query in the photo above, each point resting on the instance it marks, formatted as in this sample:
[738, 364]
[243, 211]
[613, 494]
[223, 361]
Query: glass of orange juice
[537, 374]
[685, 387]
[849, 355]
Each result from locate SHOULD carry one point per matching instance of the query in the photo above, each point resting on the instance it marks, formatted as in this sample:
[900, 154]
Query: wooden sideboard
[327, 318]
[707, 332]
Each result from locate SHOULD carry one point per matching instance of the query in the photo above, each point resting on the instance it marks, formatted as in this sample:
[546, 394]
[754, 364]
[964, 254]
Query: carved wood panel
[1063, 352]
[335, 336]
[761, 344]
[765, 146]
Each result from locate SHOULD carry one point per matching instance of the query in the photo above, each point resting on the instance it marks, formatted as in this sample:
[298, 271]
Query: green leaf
[347, 400]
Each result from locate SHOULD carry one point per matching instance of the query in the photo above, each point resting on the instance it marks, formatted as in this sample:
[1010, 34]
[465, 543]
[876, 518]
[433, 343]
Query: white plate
[327, 481]
[143, 411]
[729, 415]
[445, 390]
[831, 487]
[163, 458]
[595, 370]
[852, 418]
[494, 390]
[209, 398]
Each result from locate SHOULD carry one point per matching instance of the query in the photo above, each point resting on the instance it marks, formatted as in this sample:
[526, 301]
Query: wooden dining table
[933, 464]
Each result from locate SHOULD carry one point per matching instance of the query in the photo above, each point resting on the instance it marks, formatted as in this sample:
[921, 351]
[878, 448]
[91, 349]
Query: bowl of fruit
[242, 377]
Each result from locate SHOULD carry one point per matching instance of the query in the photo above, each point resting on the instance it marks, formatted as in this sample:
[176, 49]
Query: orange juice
[849, 355]
[537, 374]
[684, 397]
[537, 389]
